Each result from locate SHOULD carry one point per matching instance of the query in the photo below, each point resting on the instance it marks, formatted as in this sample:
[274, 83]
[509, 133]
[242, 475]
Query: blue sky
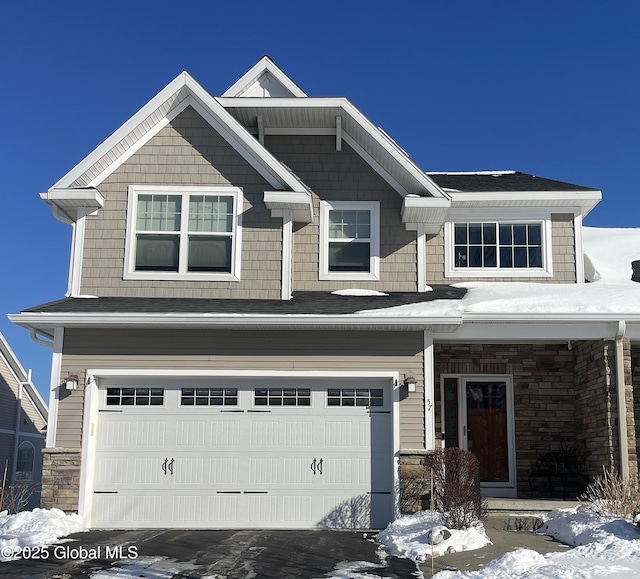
[549, 88]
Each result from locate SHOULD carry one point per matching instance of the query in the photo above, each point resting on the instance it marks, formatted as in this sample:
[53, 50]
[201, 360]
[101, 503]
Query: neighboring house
[262, 328]
[23, 424]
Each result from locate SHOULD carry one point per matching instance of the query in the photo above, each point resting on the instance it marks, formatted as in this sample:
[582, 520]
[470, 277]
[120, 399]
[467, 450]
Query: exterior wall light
[71, 382]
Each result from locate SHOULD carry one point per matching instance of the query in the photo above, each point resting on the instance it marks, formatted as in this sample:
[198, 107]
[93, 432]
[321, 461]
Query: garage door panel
[289, 466]
[224, 470]
[191, 433]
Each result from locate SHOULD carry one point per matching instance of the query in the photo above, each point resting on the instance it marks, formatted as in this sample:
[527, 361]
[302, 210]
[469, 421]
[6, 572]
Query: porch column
[429, 392]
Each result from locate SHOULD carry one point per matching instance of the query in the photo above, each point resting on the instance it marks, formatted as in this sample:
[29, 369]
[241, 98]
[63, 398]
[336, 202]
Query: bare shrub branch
[456, 493]
[612, 496]
[17, 495]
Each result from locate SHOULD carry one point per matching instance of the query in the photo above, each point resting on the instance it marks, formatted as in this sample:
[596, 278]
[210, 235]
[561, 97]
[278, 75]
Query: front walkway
[507, 518]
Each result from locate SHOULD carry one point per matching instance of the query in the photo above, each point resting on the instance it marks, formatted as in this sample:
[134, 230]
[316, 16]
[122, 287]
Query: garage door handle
[164, 465]
[313, 466]
[171, 467]
[320, 466]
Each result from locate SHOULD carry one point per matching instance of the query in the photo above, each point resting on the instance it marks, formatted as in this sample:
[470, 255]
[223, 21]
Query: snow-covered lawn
[36, 528]
[604, 547]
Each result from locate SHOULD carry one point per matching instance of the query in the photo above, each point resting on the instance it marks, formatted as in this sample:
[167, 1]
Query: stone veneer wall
[597, 407]
[543, 393]
[60, 479]
[634, 363]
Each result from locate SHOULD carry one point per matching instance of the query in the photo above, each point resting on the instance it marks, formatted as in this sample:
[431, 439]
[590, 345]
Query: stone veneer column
[60, 479]
[596, 405]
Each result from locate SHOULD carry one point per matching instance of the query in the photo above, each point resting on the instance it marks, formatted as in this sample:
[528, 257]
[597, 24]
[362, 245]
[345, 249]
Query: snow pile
[608, 547]
[36, 528]
[408, 537]
[611, 251]
[358, 292]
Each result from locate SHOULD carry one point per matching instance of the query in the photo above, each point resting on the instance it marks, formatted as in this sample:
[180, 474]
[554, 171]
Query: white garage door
[243, 454]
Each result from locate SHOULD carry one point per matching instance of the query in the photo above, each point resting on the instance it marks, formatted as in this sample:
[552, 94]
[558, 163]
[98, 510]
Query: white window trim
[493, 272]
[236, 246]
[374, 259]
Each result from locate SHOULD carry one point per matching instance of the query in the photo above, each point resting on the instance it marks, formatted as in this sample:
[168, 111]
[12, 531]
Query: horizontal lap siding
[186, 152]
[8, 400]
[241, 350]
[344, 176]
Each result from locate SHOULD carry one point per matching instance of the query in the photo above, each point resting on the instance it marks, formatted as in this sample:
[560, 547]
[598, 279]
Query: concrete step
[521, 514]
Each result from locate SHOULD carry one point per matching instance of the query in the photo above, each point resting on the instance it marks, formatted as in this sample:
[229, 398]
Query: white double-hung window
[183, 233]
[349, 240]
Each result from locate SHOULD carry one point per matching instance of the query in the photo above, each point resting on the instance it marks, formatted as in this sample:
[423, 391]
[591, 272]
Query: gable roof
[264, 79]
[7, 354]
[183, 91]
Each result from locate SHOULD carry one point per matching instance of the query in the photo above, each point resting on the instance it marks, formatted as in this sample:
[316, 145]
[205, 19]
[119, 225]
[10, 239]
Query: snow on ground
[408, 537]
[35, 528]
[604, 547]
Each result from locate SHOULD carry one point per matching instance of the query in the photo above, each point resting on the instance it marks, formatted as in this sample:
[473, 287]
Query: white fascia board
[350, 110]
[534, 331]
[427, 210]
[138, 119]
[73, 203]
[585, 200]
[264, 65]
[11, 359]
[298, 202]
[240, 321]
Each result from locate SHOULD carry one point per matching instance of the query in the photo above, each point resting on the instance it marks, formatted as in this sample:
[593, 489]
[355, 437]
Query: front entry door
[479, 418]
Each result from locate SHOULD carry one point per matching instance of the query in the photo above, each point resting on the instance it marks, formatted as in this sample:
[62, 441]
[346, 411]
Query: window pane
[159, 212]
[535, 257]
[520, 256]
[461, 256]
[211, 213]
[349, 256]
[506, 257]
[519, 234]
[157, 253]
[475, 256]
[489, 233]
[535, 235]
[490, 256]
[460, 233]
[506, 236]
[475, 233]
[208, 253]
[349, 224]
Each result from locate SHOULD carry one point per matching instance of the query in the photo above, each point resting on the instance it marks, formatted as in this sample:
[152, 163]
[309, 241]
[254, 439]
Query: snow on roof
[610, 250]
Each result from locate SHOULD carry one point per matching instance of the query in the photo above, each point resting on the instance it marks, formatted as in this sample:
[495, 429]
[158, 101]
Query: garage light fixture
[410, 383]
[71, 383]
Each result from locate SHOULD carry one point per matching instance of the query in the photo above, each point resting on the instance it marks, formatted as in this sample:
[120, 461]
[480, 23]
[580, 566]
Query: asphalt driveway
[245, 554]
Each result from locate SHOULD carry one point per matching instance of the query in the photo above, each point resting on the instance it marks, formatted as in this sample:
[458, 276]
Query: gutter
[622, 402]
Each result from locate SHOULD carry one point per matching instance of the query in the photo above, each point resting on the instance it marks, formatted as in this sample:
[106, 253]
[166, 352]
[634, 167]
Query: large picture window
[499, 248]
[183, 233]
[349, 245]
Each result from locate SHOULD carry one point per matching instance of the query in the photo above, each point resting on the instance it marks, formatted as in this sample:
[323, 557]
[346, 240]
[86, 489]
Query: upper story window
[183, 233]
[498, 249]
[349, 240]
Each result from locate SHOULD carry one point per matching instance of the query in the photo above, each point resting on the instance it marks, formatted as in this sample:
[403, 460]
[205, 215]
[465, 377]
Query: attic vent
[635, 266]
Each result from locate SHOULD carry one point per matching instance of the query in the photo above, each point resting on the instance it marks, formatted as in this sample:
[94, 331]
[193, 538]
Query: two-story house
[265, 327]
[23, 425]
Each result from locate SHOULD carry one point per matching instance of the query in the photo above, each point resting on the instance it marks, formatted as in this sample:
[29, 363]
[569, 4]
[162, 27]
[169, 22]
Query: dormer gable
[264, 79]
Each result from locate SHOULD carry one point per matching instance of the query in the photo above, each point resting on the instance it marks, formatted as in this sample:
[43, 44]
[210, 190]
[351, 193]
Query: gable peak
[264, 79]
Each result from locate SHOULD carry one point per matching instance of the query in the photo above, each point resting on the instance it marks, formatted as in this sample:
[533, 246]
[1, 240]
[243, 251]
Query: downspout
[622, 402]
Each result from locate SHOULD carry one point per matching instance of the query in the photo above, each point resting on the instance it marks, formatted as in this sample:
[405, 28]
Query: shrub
[611, 495]
[456, 492]
[17, 495]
